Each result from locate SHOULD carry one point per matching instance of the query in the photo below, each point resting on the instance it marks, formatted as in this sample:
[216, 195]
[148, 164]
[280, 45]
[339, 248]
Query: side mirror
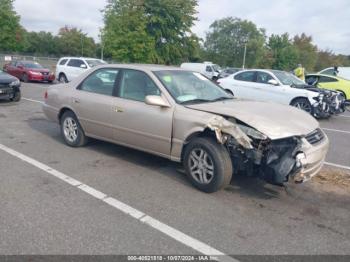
[156, 101]
[83, 66]
[273, 82]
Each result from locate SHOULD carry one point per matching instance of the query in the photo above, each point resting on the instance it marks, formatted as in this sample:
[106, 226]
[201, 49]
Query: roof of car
[148, 67]
[75, 57]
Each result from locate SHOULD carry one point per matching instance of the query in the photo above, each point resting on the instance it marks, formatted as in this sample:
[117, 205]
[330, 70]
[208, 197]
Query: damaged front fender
[221, 126]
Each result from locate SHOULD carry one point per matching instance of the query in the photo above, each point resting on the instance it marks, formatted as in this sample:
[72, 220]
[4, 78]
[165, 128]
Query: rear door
[137, 124]
[74, 68]
[93, 102]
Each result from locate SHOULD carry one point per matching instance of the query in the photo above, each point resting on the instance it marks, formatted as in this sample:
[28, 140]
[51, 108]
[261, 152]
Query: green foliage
[40, 43]
[225, 42]
[283, 53]
[73, 42]
[307, 51]
[150, 31]
[11, 33]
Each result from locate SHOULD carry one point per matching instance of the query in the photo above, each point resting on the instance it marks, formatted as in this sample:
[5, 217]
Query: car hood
[6, 78]
[274, 120]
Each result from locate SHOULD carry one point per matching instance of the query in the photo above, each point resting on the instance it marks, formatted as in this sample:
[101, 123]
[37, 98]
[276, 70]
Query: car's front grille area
[4, 85]
[315, 137]
[45, 73]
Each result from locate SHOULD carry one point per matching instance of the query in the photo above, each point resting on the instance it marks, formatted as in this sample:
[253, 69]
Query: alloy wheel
[70, 129]
[201, 166]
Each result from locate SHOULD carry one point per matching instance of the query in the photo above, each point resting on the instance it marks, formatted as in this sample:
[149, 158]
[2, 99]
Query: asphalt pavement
[41, 214]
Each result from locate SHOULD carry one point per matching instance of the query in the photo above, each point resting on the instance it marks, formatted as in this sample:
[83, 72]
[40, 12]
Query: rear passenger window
[100, 82]
[76, 63]
[63, 62]
[208, 69]
[136, 85]
[245, 76]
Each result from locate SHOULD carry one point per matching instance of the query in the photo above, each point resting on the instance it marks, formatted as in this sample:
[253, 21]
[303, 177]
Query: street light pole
[244, 55]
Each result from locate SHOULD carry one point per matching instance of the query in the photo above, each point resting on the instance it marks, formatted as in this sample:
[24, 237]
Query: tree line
[159, 31]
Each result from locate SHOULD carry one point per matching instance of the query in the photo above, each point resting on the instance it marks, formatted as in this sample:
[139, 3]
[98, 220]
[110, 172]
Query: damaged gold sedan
[182, 116]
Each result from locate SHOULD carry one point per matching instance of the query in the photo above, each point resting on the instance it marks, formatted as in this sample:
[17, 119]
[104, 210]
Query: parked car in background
[29, 71]
[183, 116]
[68, 68]
[228, 71]
[283, 88]
[210, 70]
[330, 82]
[343, 72]
[9, 87]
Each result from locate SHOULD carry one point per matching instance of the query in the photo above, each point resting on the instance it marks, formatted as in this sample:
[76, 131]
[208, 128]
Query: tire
[212, 157]
[71, 130]
[303, 104]
[62, 78]
[17, 97]
[25, 78]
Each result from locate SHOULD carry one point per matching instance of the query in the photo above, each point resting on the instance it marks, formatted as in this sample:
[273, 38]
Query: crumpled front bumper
[311, 159]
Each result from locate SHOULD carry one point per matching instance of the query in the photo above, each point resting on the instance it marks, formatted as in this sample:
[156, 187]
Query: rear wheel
[208, 164]
[71, 130]
[303, 104]
[62, 78]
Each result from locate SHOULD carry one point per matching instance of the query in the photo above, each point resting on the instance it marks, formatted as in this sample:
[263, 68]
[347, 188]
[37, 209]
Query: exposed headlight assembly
[15, 83]
[251, 132]
[319, 98]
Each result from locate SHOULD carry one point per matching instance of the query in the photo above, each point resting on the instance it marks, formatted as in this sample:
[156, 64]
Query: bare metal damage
[255, 154]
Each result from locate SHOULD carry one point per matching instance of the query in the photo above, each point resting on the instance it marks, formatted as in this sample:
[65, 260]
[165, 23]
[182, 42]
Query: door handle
[118, 109]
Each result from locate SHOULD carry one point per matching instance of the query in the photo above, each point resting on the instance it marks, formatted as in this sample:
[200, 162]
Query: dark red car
[29, 71]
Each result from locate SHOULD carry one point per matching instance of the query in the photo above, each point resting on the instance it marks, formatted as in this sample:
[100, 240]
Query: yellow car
[330, 82]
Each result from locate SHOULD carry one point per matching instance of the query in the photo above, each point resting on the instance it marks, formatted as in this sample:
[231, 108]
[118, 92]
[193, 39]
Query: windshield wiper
[195, 101]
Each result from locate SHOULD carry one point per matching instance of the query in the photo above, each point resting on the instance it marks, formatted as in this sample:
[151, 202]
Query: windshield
[216, 68]
[32, 65]
[95, 62]
[190, 87]
[288, 78]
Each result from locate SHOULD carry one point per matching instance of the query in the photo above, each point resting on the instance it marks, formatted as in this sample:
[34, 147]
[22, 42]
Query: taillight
[46, 95]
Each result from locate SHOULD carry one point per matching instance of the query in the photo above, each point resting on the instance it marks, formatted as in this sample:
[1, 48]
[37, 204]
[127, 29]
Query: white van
[343, 72]
[208, 69]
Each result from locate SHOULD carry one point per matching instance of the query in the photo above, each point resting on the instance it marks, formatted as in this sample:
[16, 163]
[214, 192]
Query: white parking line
[336, 165]
[32, 100]
[336, 130]
[140, 216]
[342, 116]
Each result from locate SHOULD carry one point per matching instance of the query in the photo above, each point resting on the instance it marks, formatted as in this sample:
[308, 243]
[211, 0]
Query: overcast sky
[327, 21]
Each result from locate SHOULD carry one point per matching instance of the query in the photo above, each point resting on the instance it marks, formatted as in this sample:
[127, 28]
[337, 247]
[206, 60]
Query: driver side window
[263, 78]
[136, 85]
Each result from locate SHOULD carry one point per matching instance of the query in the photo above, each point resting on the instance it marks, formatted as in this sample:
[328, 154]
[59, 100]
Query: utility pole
[245, 53]
[82, 45]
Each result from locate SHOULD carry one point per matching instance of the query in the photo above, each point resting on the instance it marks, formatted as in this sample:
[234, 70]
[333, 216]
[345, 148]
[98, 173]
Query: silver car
[183, 116]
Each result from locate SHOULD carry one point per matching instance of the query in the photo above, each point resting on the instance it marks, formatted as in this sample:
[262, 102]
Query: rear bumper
[50, 112]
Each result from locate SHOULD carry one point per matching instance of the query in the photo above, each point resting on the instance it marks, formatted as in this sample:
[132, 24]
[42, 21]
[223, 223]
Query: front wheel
[303, 104]
[16, 97]
[208, 164]
[71, 130]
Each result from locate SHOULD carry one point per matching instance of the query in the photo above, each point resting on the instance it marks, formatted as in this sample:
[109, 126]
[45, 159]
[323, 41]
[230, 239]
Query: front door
[137, 124]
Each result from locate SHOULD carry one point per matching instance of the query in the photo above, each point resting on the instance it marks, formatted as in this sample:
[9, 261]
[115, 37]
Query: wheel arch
[63, 110]
[204, 133]
[298, 97]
